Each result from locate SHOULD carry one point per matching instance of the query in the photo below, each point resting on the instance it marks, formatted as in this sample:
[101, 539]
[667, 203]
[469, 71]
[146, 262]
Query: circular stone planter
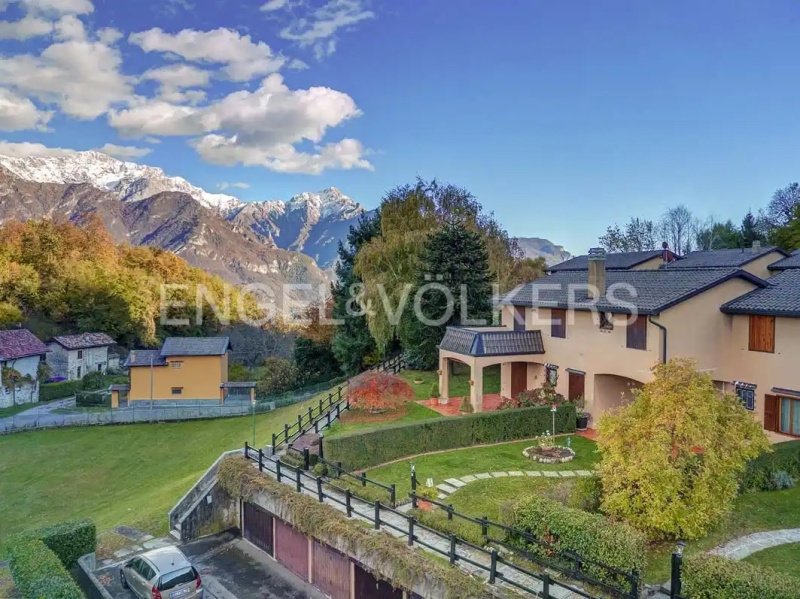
[554, 455]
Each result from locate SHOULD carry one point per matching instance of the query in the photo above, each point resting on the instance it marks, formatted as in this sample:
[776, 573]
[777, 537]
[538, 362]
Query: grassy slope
[115, 475]
[459, 462]
[783, 558]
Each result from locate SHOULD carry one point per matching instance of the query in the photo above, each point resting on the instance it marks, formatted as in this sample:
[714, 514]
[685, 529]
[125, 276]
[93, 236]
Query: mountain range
[272, 241]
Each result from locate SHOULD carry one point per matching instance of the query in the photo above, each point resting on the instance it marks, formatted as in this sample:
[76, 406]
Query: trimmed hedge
[69, 540]
[362, 450]
[51, 391]
[38, 573]
[760, 472]
[714, 577]
[591, 536]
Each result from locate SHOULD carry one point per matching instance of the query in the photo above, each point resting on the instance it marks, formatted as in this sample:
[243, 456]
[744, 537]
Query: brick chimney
[597, 273]
[666, 255]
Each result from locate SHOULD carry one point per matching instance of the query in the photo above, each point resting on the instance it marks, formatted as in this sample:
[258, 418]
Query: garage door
[369, 587]
[331, 571]
[258, 527]
[291, 548]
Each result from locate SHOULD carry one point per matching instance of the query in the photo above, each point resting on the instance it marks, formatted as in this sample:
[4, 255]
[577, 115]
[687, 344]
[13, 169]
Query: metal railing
[496, 567]
[316, 418]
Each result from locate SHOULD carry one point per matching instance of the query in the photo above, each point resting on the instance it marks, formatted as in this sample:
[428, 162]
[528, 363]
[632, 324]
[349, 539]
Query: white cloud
[243, 59]
[259, 127]
[18, 113]
[25, 28]
[25, 149]
[178, 76]
[319, 29]
[70, 27]
[223, 185]
[82, 77]
[273, 5]
[62, 7]
[123, 152]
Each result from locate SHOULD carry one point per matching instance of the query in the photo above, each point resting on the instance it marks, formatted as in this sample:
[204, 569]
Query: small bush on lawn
[592, 537]
[781, 480]
[370, 448]
[587, 492]
[759, 473]
[713, 577]
[38, 573]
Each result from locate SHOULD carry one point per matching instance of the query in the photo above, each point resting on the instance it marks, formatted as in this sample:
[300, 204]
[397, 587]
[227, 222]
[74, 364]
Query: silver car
[161, 574]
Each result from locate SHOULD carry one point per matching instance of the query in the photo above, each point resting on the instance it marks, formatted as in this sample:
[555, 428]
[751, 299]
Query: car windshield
[173, 579]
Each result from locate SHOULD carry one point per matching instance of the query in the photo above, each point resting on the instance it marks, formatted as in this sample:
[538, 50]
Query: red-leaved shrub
[377, 392]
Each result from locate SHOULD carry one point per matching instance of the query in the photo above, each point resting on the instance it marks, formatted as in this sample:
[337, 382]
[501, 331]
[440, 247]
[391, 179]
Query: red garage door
[291, 548]
[331, 571]
[369, 587]
[258, 527]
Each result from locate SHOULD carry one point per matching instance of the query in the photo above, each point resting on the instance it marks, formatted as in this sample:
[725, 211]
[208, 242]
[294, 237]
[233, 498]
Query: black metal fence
[496, 567]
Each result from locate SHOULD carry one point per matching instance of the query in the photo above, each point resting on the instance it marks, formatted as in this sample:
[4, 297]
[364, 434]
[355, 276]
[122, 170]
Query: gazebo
[479, 347]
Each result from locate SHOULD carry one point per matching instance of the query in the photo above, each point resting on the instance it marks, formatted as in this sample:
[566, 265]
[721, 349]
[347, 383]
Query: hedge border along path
[451, 485]
[740, 548]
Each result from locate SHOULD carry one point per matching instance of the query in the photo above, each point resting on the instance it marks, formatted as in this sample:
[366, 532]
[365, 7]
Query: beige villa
[597, 324]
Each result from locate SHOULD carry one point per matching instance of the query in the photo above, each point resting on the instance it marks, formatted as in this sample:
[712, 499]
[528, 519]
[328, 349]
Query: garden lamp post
[675, 578]
[253, 404]
[553, 412]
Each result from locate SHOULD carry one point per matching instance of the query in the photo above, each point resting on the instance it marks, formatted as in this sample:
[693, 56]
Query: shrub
[69, 540]
[279, 375]
[437, 519]
[759, 472]
[366, 449]
[587, 492]
[435, 390]
[93, 381]
[369, 493]
[781, 480]
[592, 537]
[38, 573]
[713, 577]
[320, 469]
[50, 391]
[377, 392]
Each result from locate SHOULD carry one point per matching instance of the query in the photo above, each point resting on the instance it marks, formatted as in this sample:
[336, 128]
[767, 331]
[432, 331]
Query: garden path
[744, 546]
[451, 485]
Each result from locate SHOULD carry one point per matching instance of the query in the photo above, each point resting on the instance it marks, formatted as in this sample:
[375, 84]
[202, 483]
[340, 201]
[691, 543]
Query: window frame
[551, 372]
[80, 354]
[794, 404]
[176, 390]
[176, 364]
[747, 396]
[752, 341]
[558, 324]
[635, 330]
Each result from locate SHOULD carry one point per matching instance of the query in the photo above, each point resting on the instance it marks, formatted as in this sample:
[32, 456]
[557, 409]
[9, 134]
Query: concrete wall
[199, 376]
[26, 392]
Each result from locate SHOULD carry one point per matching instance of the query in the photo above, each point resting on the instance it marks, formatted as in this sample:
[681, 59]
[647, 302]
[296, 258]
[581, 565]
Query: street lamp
[553, 409]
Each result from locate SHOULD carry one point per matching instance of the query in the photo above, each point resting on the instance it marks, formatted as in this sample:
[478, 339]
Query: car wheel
[122, 580]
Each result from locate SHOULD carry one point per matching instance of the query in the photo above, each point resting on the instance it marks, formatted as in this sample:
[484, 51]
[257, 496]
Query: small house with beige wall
[186, 369]
[596, 332]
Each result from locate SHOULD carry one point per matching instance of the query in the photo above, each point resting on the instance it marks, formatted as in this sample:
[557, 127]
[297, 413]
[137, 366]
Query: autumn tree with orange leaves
[378, 392]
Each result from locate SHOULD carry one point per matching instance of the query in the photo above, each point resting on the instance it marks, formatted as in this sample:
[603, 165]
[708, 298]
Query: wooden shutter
[576, 385]
[771, 414]
[636, 333]
[762, 333]
[558, 323]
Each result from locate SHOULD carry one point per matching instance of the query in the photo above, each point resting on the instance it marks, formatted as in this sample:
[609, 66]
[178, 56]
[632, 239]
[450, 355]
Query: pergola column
[476, 387]
[444, 377]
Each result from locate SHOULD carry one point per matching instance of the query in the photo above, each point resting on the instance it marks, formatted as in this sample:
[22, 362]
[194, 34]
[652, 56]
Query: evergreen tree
[750, 230]
[352, 344]
[454, 258]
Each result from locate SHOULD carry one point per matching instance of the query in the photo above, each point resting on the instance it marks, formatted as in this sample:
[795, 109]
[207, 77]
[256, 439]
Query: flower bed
[549, 455]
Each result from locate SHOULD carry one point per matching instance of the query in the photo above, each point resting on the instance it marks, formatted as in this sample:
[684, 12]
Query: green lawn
[473, 460]
[783, 558]
[415, 413]
[129, 474]
[459, 381]
[491, 497]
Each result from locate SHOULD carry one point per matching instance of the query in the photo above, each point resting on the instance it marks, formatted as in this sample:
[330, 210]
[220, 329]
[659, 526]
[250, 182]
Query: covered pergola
[479, 347]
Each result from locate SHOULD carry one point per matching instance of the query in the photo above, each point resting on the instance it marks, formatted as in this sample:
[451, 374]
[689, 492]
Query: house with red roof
[21, 352]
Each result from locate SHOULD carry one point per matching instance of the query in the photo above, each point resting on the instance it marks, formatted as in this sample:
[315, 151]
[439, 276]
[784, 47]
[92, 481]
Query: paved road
[231, 568]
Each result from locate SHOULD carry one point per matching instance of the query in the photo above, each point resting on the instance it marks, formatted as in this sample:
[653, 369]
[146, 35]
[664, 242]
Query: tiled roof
[83, 340]
[614, 261]
[721, 258]
[780, 298]
[475, 342]
[20, 343]
[792, 261]
[650, 291]
[145, 357]
[195, 346]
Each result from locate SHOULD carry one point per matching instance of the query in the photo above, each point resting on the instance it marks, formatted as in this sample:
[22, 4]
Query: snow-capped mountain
[311, 223]
[129, 180]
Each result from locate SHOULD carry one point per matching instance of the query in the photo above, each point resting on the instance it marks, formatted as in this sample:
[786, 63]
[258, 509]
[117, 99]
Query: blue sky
[561, 117]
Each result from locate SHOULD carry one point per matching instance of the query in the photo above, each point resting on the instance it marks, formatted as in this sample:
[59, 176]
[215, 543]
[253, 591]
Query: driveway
[230, 568]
